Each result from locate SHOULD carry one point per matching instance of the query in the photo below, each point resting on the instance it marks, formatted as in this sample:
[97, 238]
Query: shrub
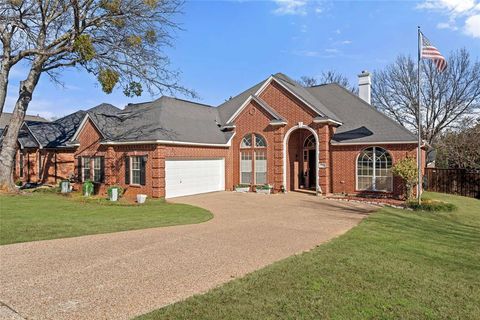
[431, 206]
[242, 186]
[87, 188]
[120, 191]
[407, 170]
[264, 187]
[18, 183]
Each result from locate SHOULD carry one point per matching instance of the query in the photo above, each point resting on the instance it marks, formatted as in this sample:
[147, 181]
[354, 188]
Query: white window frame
[374, 175]
[252, 151]
[255, 166]
[84, 161]
[99, 169]
[139, 158]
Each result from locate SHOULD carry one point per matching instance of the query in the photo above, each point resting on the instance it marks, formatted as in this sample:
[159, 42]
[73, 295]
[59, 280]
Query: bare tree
[325, 78]
[446, 98]
[459, 148]
[119, 41]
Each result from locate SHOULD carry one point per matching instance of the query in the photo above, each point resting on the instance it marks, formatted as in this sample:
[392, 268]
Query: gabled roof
[60, 132]
[6, 116]
[362, 123]
[176, 121]
[231, 108]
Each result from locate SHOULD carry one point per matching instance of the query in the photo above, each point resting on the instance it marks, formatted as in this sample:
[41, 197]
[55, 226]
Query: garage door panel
[187, 177]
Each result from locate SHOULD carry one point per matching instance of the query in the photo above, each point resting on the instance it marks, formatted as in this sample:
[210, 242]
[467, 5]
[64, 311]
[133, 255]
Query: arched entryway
[300, 159]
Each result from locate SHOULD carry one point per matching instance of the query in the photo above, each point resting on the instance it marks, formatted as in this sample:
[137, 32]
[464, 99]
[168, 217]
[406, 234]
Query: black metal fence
[462, 182]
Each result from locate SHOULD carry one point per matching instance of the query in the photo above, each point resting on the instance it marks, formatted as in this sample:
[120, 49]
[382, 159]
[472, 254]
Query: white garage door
[186, 177]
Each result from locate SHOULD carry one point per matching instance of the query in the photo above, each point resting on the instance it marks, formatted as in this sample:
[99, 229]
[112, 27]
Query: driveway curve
[124, 274]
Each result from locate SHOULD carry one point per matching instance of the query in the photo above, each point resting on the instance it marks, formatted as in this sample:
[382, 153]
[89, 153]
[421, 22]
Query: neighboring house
[277, 132]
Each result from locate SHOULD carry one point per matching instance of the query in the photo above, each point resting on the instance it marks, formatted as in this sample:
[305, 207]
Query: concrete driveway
[123, 274]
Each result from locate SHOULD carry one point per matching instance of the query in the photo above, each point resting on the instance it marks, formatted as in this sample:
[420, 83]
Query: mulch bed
[378, 201]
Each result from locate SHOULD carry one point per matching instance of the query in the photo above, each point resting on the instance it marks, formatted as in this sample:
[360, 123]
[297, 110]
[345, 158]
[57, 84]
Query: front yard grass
[41, 216]
[396, 264]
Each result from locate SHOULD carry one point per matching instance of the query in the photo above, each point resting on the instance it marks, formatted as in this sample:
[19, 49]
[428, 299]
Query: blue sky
[227, 46]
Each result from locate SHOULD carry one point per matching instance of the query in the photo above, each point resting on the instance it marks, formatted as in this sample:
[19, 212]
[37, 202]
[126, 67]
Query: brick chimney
[365, 86]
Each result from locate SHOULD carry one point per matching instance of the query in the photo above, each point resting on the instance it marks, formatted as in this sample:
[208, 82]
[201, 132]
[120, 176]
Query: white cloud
[455, 6]
[346, 42]
[291, 7]
[472, 26]
[332, 50]
[458, 12]
[306, 53]
[447, 25]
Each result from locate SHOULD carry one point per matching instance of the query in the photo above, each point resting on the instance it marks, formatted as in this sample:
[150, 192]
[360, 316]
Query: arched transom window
[309, 142]
[374, 170]
[253, 159]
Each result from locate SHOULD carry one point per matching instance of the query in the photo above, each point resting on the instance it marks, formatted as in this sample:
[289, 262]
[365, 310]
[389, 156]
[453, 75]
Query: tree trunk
[5, 67]
[4, 72]
[9, 144]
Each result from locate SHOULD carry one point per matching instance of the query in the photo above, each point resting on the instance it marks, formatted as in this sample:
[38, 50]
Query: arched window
[309, 142]
[374, 170]
[253, 159]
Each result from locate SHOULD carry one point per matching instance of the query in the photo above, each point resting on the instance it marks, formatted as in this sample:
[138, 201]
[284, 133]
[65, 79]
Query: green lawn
[41, 216]
[395, 265]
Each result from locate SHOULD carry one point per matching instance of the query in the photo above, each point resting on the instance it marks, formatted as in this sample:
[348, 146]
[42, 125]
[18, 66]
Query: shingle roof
[361, 121]
[6, 116]
[60, 132]
[169, 119]
[176, 120]
[303, 93]
[228, 108]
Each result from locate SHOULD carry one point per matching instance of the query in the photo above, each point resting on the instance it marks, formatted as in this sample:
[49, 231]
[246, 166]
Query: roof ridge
[371, 107]
[192, 102]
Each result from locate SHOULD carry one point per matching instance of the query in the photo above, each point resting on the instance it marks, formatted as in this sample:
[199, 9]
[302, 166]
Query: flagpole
[419, 121]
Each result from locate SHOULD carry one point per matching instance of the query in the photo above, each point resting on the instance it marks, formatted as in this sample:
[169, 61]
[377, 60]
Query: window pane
[374, 170]
[97, 174]
[135, 176]
[260, 167]
[246, 141]
[86, 168]
[309, 142]
[245, 167]
[383, 183]
[260, 141]
[365, 183]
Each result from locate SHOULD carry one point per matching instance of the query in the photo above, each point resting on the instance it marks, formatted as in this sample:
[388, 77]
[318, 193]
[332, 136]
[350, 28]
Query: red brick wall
[255, 119]
[115, 155]
[338, 176]
[344, 165]
[65, 165]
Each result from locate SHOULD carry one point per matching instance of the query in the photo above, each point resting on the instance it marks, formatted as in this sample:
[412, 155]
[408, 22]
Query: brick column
[110, 167]
[324, 158]
[278, 157]
[158, 172]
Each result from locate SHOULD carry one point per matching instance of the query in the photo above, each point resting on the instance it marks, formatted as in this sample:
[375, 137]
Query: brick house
[322, 138]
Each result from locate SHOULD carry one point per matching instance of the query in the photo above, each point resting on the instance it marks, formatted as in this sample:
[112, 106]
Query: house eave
[328, 121]
[169, 142]
[336, 143]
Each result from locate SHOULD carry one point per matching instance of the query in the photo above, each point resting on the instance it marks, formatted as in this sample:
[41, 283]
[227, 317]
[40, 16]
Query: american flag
[430, 52]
